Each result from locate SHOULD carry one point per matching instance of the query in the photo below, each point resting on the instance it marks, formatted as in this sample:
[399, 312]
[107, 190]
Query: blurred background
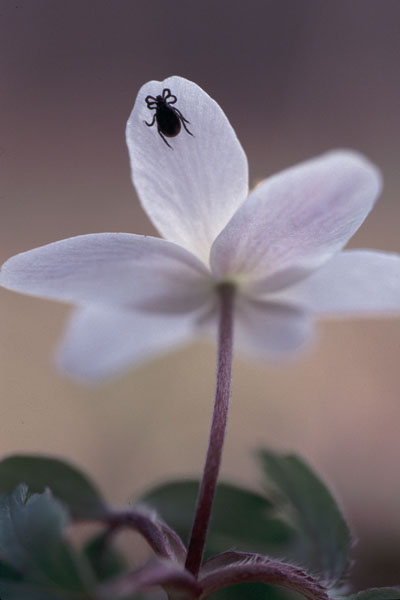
[296, 78]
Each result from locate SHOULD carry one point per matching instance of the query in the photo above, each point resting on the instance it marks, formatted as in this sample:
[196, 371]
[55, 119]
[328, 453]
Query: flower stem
[217, 433]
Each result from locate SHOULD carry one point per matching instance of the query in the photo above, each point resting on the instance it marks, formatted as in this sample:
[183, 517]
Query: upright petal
[353, 283]
[114, 269]
[189, 191]
[296, 220]
[100, 342]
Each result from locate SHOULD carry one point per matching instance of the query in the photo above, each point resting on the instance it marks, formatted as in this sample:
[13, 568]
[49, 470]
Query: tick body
[169, 119]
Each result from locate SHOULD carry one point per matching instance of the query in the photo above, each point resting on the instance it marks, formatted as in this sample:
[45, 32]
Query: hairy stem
[217, 433]
[231, 568]
[165, 542]
[177, 582]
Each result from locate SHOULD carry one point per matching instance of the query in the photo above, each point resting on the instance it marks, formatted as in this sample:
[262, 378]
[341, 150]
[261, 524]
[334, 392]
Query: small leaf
[325, 541]
[240, 518]
[10, 590]
[66, 482]
[104, 557]
[8, 573]
[254, 591]
[385, 593]
[31, 540]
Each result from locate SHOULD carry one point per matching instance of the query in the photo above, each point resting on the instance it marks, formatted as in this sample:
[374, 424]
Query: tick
[169, 119]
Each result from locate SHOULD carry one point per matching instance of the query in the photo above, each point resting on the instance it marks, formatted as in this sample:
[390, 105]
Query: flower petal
[353, 283]
[268, 331]
[118, 269]
[100, 342]
[294, 221]
[192, 190]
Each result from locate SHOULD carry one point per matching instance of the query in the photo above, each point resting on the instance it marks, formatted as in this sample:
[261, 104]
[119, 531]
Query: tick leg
[183, 120]
[150, 99]
[180, 115]
[163, 138]
[152, 123]
[186, 129]
[167, 94]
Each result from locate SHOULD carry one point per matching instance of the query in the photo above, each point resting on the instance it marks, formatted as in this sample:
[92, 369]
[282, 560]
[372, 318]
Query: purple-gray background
[295, 77]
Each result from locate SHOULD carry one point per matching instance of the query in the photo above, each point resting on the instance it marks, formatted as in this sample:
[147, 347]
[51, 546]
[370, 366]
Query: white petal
[353, 283]
[294, 221]
[117, 269]
[190, 191]
[269, 330]
[100, 342]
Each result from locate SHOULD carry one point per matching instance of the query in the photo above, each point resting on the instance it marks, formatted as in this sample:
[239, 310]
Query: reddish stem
[217, 433]
[165, 542]
[177, 582]
[161, 538]
[242, 567]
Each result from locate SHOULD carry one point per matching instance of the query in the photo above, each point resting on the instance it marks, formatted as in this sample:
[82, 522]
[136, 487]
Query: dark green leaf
[30, 591]
[324, 542]
[32, 542]
[8, 573]
[386, 593]
[104, 558]
[255, 591]
[67, 483]
[241, 518]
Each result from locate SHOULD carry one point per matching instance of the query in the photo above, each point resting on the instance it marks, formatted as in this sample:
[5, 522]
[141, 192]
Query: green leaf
[241, 518]
[325, 541]
[29, 591]
[9, 573]
[255, 591]
[12, 586]
[67, 483]
[31, 541]
[386, 593]
[104, 558]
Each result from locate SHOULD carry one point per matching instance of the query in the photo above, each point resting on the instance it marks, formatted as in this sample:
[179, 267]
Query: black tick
[169, 118]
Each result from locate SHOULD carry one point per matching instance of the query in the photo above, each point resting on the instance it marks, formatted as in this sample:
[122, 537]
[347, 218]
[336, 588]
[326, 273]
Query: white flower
[281, 244]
